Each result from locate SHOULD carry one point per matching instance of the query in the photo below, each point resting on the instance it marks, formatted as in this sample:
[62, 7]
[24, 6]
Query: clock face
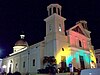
[60, 29]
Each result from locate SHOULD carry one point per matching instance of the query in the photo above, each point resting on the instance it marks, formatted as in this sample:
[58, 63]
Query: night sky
[28, 16]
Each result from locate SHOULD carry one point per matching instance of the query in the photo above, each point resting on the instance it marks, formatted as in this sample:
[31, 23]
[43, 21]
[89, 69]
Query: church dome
[21, 42]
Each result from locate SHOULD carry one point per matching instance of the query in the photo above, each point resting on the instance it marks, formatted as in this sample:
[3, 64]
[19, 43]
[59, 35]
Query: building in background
[97, 54]
[0, 65]
[74, 48]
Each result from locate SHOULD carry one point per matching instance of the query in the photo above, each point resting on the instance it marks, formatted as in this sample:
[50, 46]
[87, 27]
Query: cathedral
[73, 48]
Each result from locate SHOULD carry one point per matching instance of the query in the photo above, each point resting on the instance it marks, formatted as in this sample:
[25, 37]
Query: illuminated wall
[66, 52]
[75, 37]
[72, 57]
[76, 34]
[92, 56]
[93, 59]
[17, 48]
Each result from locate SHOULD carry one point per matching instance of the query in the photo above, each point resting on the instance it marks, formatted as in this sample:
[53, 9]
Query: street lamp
[4, 67]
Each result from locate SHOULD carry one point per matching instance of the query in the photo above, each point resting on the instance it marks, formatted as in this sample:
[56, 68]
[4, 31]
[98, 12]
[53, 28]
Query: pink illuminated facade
[79, 41]
[79, 37]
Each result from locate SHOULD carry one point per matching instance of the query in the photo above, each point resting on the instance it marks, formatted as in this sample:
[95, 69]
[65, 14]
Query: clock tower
[55, 30]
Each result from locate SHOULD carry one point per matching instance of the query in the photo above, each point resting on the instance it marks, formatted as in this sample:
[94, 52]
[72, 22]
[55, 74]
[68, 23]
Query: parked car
[95, 71]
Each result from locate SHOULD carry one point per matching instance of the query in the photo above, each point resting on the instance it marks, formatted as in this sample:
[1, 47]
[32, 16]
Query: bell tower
[54, 8]
[55, 29]
[54, 21]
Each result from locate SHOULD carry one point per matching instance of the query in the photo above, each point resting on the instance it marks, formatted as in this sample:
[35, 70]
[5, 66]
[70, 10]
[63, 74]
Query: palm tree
[50, 64]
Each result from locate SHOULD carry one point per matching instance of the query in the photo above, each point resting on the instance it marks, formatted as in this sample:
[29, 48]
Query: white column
[56, 10]
[51, 10]
[48, 12]
[60, 11]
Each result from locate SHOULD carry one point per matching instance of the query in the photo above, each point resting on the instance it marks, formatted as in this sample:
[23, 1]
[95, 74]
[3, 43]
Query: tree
[16, 73]
[50, 65]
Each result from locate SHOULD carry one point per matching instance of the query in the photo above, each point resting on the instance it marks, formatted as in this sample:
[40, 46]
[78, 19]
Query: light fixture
[4, 66]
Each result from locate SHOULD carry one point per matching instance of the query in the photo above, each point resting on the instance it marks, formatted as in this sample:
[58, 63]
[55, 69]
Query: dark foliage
[16, 73]
[43, 71]
[9, 73]
[50, 65]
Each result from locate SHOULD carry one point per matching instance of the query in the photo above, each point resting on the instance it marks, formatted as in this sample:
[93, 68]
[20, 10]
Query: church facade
[73, 48]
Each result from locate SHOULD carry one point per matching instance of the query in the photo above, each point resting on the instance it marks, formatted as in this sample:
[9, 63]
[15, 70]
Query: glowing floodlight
[4, 66]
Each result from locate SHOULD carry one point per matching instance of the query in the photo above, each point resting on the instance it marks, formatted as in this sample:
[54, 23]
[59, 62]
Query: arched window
[16, 66]
[10, 61]
[80, 44]
[50, 28]
[58, 11]
[24, 64]
[33, 62]
[97, 60]
[62, 49]
[54, 10]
